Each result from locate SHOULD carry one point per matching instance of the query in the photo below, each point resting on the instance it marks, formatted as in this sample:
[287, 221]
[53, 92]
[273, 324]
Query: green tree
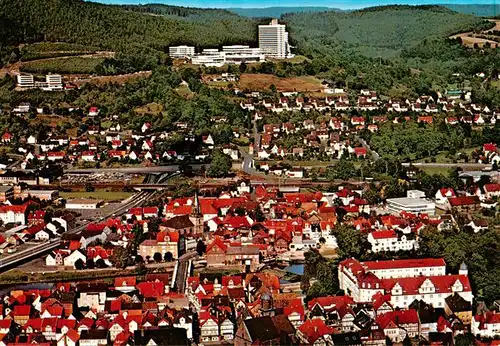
[351, 242]
[220, 165]
[466, 339]
[344, 170]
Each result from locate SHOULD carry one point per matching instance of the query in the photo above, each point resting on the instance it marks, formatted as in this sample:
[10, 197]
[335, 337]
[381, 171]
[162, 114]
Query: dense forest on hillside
[183, 12]
[277, 12]
[114, 27]
[400, 51]
[376, 32]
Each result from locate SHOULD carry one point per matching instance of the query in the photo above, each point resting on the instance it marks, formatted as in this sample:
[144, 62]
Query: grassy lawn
[151, 108]
[184, 91]
[103, 195]
[106, 124]
[263, 82]
[435, 170]
[70, 65]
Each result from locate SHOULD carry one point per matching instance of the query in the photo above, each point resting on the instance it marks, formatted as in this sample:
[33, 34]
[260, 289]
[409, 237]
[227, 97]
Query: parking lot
[99, 178]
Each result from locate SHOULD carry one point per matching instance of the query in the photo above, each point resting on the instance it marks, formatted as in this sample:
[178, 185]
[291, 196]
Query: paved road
[375, 155]
[247, 165]
[54, 243]
[449, 165]
[183, 271]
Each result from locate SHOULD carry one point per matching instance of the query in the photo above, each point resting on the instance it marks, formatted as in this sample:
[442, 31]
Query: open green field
[103, 195]
[261, 82]
[66, 65]
[435, 170]
[44, 50]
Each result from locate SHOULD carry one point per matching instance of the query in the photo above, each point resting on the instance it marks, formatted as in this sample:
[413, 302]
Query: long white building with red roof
[403, 280]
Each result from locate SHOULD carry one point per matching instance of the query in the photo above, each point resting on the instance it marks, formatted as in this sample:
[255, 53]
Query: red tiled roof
[217, 242]
[384, 234]
[405, 263]
[17, 209]
[465, 200]
[164, 236]
[22, 310]
[442, 283]
[492, 187]
[314, 329]
[490, 147]
[73, 335]
[399, 317]
[151, 289]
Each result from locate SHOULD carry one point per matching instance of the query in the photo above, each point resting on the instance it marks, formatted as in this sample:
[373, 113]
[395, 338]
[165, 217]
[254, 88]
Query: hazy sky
[344, 4]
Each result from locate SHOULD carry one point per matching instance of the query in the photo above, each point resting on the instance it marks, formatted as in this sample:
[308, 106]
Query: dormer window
[396, 290]
[457, 286]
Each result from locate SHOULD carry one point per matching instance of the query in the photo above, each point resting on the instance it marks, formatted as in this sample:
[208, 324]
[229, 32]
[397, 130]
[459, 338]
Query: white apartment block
[181, 51]
[53, 82]
[25, 81]
[273, 40]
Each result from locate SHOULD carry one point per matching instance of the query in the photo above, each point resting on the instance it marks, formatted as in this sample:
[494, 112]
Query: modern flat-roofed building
[53, 82]
[273, 40]
[25, 81]
[414, 203]
[43, 195]
[181, 51]
[81, 203]
[239, 49]
[229, 55]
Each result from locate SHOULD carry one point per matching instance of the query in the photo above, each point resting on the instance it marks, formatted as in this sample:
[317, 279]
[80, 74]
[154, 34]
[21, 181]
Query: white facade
[487, 326]
[82, 204]
[214, 57]
[404, 280]
[391, 242]
[69, 261]
[273, 40]
[25, 81]
[11, 216]
[411, 205]
[181, 51]
[53, 82]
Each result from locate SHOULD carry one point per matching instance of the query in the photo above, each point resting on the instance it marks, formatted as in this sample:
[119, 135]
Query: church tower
[196, 217]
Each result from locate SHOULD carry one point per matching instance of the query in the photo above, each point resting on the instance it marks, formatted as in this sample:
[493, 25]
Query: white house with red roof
[7, 137]
[390, 240]
[486, 325]
[14, 213]
[490, 191]
[396, 325]
[443, 194]
[93, 111]
[209, 327]
[315, 332]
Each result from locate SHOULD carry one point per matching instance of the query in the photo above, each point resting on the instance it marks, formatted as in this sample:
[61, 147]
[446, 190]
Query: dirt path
[469, 40]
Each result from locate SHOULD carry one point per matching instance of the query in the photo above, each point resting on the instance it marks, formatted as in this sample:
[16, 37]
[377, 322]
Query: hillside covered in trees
[377, 32]
[116, 27]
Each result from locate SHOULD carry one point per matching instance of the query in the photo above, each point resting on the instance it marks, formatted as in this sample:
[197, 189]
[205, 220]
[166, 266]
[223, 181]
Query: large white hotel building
[273, 40]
